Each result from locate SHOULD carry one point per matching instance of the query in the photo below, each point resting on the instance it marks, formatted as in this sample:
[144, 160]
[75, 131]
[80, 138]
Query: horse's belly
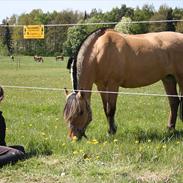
[139, 80]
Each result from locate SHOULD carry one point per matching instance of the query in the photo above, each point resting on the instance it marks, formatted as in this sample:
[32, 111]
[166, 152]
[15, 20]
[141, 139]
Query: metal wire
[99, 23]
[93, 91]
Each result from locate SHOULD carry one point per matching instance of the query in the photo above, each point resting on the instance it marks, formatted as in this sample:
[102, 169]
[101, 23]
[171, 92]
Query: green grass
[141, 151]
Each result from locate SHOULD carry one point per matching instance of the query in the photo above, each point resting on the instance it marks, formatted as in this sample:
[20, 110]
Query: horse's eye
[81, 113]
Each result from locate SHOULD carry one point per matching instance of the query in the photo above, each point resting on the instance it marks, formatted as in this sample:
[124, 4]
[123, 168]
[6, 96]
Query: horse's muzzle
[78, 133]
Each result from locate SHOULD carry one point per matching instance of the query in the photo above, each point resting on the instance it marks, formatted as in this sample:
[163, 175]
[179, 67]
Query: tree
[124, 25]
[164, 13]
[143, 14]
[7, 39]
[75, 36]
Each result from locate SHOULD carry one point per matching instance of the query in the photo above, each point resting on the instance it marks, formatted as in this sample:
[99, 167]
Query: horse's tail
[181, 108]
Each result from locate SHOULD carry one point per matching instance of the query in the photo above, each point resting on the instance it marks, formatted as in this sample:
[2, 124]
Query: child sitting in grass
[9, 154]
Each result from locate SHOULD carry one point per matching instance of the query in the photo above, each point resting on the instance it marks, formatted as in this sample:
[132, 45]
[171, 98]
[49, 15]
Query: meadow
[141, 151]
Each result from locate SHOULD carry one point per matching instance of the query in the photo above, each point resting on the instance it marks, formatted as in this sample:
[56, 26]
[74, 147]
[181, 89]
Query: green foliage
[143, 14]
[164, 13]
[59, 39]
[124, 25]
[7, 39]
[75, 36]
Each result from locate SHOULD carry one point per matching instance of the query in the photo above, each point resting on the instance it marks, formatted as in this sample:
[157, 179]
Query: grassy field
[141, 151]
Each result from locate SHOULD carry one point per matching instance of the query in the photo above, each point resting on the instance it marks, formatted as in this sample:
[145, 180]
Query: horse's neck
[86, 78]
[86, 83]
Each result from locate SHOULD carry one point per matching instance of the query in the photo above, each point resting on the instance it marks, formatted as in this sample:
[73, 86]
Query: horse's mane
[71, 107]
[78, 58]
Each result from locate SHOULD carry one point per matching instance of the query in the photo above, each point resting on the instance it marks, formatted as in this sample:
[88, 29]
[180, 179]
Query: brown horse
[59, 58]
[110, 60]
[38, 58]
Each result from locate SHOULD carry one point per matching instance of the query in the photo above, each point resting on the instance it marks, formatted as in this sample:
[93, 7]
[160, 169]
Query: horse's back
[138, 60]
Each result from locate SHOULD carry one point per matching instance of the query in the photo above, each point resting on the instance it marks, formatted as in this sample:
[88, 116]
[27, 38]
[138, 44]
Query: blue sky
[10, 7]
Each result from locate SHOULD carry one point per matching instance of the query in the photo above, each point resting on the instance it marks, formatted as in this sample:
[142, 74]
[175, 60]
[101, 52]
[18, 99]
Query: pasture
[141, 151]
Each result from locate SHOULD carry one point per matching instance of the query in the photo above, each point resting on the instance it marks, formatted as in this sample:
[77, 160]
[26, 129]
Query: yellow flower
[75, 152]
[178, 142]
[164, 146]
[81, 150]
[74, 138]
[149, 140]
[63, 144]
[30, 125]
[137, 142]
[94, 141]
[43, 134]
[97, 157]
[115, 140]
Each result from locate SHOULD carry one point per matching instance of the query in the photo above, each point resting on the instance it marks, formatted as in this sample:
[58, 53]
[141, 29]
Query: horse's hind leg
[170, 86]
[109, 104]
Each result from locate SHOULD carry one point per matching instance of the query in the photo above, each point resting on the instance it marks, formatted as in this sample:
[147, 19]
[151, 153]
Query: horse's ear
[81, 94]
[66, 91]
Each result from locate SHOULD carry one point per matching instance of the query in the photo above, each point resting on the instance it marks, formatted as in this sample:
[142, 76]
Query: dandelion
[97, 157]
[115, 140]
[164, 146]
[178, 142]
[74, 139]
[149, 140]
[94, 141]
[136, 142]
[43, 134]
[63, 144]
[81, 150]
[75, 152]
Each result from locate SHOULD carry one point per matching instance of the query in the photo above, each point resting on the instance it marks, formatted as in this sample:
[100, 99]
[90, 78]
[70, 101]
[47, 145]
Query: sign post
[33, 31]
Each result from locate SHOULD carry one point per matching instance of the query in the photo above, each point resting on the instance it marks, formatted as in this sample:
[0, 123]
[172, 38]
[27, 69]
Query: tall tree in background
[7, 41]
[164, 13]
[143, 14]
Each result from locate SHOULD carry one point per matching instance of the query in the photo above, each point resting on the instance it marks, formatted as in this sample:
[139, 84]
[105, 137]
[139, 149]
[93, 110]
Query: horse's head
[77, 113]
[1, 93]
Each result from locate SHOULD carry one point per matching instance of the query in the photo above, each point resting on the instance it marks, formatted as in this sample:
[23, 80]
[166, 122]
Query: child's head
[1, 93]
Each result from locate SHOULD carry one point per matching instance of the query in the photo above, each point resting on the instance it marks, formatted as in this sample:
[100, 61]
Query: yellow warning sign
[33, 32]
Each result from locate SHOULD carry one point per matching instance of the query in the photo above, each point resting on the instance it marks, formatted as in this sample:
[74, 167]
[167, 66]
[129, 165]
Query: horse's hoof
[112, 131]
[171, 129]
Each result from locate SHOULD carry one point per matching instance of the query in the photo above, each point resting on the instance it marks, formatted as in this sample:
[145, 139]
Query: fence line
[99, 23]
[92, 91]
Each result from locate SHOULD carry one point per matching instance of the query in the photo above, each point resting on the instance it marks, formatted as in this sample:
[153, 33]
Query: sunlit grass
[141, 150]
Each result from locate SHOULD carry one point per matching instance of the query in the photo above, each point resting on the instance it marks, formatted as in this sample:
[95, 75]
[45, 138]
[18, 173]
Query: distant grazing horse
[38, 58]
[110, 60]
[59, 58]
[12, 58]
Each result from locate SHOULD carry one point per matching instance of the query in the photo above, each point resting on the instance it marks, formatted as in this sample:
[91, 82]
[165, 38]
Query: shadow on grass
[143, 135]
[37, 148]
[153, 134]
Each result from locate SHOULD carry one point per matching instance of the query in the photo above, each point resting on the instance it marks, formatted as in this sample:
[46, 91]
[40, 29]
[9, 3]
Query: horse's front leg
[109, 104]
